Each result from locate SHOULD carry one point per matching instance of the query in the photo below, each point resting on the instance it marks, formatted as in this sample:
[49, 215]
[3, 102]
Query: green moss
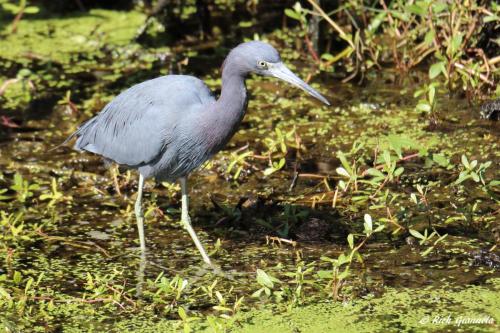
[444, 309]
[59, 38]
[397, 310]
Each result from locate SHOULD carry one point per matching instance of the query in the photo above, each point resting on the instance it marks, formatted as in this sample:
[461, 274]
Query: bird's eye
[262, 64]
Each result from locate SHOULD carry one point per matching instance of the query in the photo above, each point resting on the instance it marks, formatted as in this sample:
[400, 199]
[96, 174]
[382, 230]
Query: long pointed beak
[280, 71]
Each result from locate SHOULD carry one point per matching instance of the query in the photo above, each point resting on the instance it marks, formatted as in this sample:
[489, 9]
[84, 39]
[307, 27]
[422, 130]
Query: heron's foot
[211, 269]
[142, 247]
[140, 275]
[217, 270]
[186, 222]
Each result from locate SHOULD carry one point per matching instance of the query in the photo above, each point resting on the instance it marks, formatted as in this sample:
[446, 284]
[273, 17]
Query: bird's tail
[78, 132]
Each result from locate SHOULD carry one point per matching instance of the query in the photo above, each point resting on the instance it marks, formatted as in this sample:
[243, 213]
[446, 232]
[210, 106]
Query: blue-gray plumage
[168, 126]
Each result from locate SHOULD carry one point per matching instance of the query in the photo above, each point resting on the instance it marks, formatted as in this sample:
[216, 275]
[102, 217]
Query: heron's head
[263, 59]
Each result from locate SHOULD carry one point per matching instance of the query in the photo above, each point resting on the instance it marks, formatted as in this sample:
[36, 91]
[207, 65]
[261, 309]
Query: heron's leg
[186, 221]
[139, 214]
[140, 274]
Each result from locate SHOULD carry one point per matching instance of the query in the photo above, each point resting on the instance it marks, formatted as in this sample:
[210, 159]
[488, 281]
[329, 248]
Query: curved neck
[227, 112]
[233, 95]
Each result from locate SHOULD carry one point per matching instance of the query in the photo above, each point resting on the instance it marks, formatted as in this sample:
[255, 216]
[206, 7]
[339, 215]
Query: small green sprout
[23, 188]
[267, 283]
[472, 171]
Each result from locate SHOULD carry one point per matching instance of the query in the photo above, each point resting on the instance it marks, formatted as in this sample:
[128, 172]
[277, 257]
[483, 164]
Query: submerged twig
[80, 244]
[272, 239]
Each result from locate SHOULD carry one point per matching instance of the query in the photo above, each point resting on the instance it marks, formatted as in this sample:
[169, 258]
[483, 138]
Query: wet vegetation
[380, 213]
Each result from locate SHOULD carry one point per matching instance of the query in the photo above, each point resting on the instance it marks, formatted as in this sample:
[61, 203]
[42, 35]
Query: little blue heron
[168, 126]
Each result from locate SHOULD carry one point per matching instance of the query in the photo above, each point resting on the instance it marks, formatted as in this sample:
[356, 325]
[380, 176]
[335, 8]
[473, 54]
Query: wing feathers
[137, 126]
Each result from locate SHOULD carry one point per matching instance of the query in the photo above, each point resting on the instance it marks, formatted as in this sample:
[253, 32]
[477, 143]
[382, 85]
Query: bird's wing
[136, 127]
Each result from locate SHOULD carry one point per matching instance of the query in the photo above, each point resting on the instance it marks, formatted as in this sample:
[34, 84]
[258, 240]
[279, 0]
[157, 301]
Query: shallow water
[90, 229]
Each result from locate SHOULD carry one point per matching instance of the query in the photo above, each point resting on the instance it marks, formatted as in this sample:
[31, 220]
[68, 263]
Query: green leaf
[416, 234]
[441, 160]
[343, 172]
[264, 279]
[221, 308]
[31, 10]
[431, 94]
[456, 43]
[368, 224]
[424, 106]
[219, 297]
[327, 57]
[269, 171]
[17, 278]
[401, 15]
[429, 37]
[427, 251]
[436, 69]
[23, 73]
[350, 240]
[475, 177]
[281, 163]
[4, 197]
[324, 274]
[491, 18]
[34, 187]
[464, 175]
[293, 14]
[342, 259]
[398, 142]
[344, 162]
[328, 259]
[375, 172]
[245, 24]
[376, 22]
[13, 9]
[182, 313]
[439, 7]
[28, 285]
[465, 162]
[344, 274]
[418, 93]
[398, 171]
[415, 9]
[494, 183]
[413, 198]
[485, 165]
[297, 7]
[4, 294]
[257, 293]
[386, 155]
